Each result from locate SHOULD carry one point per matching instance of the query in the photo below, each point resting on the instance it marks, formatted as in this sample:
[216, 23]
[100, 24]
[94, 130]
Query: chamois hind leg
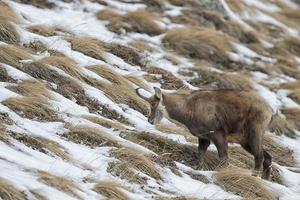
[202, 148]
[267, 165]
[221, 143]
[254, 146]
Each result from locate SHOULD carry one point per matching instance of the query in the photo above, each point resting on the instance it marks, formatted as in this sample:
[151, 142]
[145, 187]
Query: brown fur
[220, 116]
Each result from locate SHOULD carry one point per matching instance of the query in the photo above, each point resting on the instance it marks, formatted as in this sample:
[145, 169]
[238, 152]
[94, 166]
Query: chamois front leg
[202, 148]
[221, 143]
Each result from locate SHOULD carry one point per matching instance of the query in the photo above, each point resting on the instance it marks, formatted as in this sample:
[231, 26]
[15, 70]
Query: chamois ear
[157, 92]
[141, 95]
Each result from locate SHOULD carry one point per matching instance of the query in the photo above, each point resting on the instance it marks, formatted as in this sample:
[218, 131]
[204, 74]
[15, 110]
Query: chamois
[219, 116]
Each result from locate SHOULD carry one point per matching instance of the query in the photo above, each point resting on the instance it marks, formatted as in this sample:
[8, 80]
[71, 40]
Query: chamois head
[157, 111]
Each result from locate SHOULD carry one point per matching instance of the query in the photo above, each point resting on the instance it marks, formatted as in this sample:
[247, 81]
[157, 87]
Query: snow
[19, 163]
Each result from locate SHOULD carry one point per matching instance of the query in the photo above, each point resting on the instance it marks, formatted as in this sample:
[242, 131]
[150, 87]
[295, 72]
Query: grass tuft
[240, 182]
[8, 33]
[9, 192]
[137, 21]
[47, 31]
[111, 190]
[200, 43]
[89, 136]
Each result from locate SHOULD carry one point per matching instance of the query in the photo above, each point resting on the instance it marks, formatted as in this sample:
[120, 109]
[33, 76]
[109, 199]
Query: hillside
[73, 127]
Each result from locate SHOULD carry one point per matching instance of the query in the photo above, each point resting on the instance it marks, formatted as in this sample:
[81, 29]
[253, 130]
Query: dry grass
[88, 46]
[119, 90]
[280, 154]
[66, 64]
[280, 125]
[167, 80]
[32, 107]
[70, 89]
[290, 85]
[59, 183]
[6, 13]
[138, 82]
[168, 150]
[38, 3]
[137, 160]
[48, 31]
[177, 130]
[8, 33]
[240, 182]
[4, 77]
[172, 58]
[105, 122]
[137, 21]
[142, 46]
[295, 95]
[38, 195]
[291, 44]
[111, 190]
[41, 144]
[9, 192]
[31, 88]
[12, 55]
[200, 43]
[89, 136]
[36, 46]
[293, 116]
[213, 79]
[128, 54]
[107, 14]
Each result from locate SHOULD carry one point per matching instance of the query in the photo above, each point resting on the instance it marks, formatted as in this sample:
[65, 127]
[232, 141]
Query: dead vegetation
[280, 154]
[137, 21]
[31, 88]
[119, 89]
[199, 43]
[295, 95]
[240, 182]
[38, 3]
[48, 31]
[64, 63]
[32, 108]
[68, 87]
[12, 55]
[88, 46]
[279, 125]
[7, 14]
[141, 45]
[8, 32]
[10, 192]
[293, 116]
[166, 79]
[111, 190]
[105, 122]
[107, 14]
[36, 46]
[212, 79]
[136, 160]
[4, 77]
[89, 136]
[42, 145]
[59, 183]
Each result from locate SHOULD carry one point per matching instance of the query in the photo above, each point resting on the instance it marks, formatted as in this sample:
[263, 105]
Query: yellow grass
[200, 43]
[105, 122]
[32, 107]
[48, 31]
[6, 13]
[119, 90]
[42, 144]
[9, 192]
[280, 125]
[12, 55]
[88, 46]
[8, 33]
[107, 14]
[31, 88]
[66, 64]
[136, 160]
[240, 182]
[59, 183]
[111, 190]
[137, 21]
[90, 136]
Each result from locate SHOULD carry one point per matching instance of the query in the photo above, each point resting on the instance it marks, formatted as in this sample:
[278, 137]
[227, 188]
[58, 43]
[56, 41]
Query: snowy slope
[55, 154]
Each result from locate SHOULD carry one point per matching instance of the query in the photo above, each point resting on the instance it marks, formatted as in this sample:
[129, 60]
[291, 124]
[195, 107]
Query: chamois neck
[174, 104]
